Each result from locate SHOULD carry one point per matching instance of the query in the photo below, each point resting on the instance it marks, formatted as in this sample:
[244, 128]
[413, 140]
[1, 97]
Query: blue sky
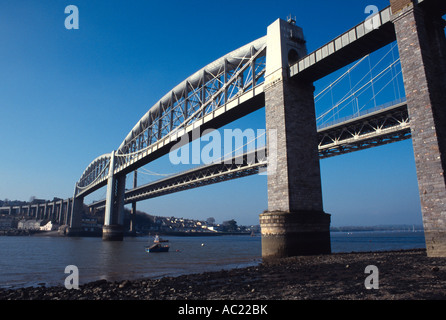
[68, 96]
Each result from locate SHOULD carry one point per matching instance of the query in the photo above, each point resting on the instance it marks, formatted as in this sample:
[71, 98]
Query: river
[41, 260]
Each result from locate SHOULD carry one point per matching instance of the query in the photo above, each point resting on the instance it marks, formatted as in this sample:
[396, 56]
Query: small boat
[157, 248]
[157, 245]
[158, 239]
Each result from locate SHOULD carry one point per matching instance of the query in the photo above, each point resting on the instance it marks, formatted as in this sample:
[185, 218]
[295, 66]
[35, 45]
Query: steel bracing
[371, 128]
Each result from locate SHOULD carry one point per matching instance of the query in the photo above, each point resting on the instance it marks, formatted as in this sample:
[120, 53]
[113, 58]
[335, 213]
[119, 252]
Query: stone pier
[295, 223]
[422, 49]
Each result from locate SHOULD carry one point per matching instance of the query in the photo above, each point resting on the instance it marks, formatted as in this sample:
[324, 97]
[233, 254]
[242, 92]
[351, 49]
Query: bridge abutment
[422, 49]
[295, 223]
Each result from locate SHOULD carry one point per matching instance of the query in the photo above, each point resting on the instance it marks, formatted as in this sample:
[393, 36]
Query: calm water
[30, 261]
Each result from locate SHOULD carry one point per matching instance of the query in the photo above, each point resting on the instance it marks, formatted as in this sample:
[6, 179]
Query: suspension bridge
[277, 73]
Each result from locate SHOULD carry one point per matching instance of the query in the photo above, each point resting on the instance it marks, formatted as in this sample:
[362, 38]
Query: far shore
[55, 233]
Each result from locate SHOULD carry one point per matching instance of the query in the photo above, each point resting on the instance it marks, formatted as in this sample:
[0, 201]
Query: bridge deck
[379, 126]
[347, 48]
[354, 44]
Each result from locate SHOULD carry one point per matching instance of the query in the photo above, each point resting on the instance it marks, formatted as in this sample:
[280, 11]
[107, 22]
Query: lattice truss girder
[385, 127]
[212, 87]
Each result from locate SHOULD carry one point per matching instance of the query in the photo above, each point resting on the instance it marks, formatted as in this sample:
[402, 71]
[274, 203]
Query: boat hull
[157, 248]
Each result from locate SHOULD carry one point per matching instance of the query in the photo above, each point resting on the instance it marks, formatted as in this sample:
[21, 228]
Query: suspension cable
[363, 86]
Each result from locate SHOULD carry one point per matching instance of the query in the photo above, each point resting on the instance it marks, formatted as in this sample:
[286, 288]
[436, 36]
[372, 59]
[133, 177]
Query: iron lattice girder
[217, 87]
[200, 94]
[372, 129]
[96, 172]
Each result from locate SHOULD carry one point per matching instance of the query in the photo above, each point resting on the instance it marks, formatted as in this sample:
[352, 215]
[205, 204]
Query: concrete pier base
[113, 233]
[286, 234]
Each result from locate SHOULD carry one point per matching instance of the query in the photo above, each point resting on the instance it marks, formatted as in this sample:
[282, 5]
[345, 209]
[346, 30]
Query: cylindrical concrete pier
[113, 233]
[286, 234]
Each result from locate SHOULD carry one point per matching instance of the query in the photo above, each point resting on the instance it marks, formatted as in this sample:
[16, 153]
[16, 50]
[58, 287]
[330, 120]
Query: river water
[40, 260]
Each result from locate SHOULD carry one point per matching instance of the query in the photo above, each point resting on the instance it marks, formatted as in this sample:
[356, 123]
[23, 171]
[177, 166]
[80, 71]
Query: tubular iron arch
[96, 171]
[219, 84]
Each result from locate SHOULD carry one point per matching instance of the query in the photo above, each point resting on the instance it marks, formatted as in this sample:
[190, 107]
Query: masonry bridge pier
[276, 72]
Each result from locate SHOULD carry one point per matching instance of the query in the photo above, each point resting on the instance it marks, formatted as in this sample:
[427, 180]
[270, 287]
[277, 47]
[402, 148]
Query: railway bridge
[277, 73]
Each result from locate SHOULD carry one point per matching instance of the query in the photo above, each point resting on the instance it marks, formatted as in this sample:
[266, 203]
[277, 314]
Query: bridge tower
[422, 48]
[295, 223]
[113, 228]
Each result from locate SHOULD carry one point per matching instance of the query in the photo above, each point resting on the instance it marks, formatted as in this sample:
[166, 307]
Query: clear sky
[68, 96]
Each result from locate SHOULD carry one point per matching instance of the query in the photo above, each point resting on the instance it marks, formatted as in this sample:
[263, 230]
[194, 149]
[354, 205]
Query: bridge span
[378, 126]
[277, 73]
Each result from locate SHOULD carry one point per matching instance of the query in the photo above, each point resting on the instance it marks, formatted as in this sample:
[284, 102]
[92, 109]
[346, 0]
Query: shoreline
[403, 275]
[55, 233]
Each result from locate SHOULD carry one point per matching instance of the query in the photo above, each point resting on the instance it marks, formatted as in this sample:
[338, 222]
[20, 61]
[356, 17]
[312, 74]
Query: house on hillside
[29, 224]
[48, 226]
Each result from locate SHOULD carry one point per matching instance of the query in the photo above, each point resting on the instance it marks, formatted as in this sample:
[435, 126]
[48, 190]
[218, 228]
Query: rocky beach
[402, 275]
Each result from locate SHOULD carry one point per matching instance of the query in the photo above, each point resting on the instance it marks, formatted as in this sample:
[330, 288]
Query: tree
[210, 221]
[230, 226]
